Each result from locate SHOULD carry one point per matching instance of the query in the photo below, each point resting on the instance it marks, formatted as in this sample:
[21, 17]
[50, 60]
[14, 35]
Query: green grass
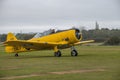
[39, 65]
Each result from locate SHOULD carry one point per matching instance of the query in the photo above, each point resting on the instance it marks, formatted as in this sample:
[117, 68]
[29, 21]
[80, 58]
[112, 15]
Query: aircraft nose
[78, 34]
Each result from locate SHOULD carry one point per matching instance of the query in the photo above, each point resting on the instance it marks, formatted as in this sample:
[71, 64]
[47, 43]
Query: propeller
[78, 32]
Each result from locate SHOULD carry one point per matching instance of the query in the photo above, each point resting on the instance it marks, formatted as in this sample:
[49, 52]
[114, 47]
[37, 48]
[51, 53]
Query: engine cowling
[78, 34]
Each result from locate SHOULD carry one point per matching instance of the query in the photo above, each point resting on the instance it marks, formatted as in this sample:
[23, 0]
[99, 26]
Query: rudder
[11, 37]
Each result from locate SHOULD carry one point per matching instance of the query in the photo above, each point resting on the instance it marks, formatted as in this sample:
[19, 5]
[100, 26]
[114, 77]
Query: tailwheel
[16, 55]
[74, 53]
[57, 54]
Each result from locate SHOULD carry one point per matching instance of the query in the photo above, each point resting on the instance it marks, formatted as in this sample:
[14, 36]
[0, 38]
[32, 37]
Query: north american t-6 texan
[47, 40]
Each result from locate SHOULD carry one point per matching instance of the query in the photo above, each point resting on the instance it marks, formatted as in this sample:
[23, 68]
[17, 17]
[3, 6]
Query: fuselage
[69, 36]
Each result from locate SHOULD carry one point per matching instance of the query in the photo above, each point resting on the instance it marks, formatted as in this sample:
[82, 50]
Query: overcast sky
[39, 15]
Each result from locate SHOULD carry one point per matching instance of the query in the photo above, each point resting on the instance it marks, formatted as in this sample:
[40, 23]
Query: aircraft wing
[84, 42]
[33, 44]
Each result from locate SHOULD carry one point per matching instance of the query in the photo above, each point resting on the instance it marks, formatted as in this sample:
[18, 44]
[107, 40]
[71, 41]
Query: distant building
[96, 26]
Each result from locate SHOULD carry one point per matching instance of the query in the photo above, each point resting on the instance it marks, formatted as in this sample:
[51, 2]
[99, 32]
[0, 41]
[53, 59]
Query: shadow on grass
[49, 56]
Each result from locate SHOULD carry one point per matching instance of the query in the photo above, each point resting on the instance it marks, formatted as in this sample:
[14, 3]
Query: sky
[39, 15]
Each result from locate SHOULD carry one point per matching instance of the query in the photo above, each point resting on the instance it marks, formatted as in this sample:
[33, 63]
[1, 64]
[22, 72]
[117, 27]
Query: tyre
[58, 54]
[16, 55]
[74, 53]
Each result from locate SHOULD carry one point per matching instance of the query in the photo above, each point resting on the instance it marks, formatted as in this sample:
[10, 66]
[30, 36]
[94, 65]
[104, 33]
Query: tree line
[100, 35]
[109, 37]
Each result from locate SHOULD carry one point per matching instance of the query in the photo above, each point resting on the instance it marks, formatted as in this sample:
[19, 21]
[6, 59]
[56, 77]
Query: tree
[3, 37]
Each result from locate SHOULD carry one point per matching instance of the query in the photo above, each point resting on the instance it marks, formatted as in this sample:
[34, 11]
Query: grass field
[92, 63]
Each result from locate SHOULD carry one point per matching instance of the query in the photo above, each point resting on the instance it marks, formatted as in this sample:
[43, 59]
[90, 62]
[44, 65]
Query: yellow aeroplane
[46, 41]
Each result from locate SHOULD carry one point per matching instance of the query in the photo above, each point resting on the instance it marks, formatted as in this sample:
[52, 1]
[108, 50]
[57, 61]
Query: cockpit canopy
[52, 31]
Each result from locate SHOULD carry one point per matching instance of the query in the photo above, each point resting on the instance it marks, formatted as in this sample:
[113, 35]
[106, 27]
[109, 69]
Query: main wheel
[57, 54]
[16, 55]
[74, 53]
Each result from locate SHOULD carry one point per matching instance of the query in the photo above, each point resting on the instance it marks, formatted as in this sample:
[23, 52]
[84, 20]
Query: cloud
[57, 12]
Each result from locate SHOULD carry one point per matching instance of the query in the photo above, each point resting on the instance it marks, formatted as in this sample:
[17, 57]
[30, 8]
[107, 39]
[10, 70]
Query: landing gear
[16, 55]
[57, 54]
[73, 51]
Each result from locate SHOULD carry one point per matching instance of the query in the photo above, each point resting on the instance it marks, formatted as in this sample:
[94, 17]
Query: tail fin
[10, 48]
[11, 37]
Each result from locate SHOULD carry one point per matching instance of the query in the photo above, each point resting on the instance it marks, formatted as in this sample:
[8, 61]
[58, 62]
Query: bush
[113, 41]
